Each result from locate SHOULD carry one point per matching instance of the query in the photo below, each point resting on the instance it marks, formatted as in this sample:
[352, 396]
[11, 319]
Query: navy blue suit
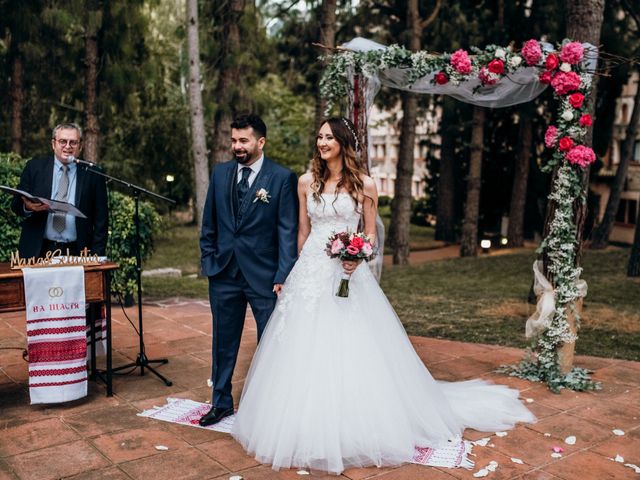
[245, 250]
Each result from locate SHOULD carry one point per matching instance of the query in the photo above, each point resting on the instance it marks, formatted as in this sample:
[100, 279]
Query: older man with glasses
[59, 178]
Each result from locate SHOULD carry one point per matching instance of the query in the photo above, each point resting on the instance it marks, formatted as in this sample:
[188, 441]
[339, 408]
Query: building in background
[627, 215]
[384, 143]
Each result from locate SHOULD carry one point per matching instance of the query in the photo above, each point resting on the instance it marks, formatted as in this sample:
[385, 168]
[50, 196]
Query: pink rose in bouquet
[531, 52]
[357, 242]
[461, 61]
[572, 53]
[581, 156]
[336, 246]
[550, 136]
[348, 246]
[564, 83]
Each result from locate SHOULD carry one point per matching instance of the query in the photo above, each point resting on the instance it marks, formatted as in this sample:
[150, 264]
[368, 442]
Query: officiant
[57, 177]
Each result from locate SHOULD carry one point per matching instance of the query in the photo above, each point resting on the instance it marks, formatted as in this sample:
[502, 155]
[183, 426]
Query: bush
[419, 211]
[11, 166]
[120, 245]
[384, 201]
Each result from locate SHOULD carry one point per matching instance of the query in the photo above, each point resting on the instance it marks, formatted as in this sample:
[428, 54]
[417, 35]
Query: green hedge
[120, 246]
[11, 166]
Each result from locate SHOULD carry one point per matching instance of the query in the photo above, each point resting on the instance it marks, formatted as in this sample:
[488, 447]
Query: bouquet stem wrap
[343, 287]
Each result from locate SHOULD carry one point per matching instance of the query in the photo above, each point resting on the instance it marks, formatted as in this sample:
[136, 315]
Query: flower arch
[499, 77]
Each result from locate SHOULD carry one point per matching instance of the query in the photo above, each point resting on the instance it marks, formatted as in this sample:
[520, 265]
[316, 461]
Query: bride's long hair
[352, 170]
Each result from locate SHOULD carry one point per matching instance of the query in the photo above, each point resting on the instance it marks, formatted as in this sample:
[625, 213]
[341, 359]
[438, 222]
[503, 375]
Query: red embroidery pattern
[37, 320]
[56, 331]
[58, 351]
[57, 384]
[57, 371]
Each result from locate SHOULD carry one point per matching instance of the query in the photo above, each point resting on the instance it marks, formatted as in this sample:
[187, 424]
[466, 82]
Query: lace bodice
[332, 214]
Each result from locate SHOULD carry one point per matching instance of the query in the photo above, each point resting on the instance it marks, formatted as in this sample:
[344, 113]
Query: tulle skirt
[335, 382]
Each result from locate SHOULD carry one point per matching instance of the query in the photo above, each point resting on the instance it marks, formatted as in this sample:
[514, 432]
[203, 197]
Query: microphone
[71, 158]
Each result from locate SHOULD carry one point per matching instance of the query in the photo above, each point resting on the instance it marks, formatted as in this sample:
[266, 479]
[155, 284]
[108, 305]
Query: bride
[335, 382]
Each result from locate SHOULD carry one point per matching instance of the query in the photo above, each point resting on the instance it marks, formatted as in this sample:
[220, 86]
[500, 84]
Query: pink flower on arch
[581, 156]
[545, 77]
[586, 120]
[572, 53]
[441, 78]
[496, 66]
[461, 61]
[576, 99]
[531, 52]
[565, 82]
[487, 77]
[550, 136]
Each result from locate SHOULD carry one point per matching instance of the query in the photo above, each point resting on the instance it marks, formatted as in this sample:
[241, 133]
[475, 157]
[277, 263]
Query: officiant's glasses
[63, 142]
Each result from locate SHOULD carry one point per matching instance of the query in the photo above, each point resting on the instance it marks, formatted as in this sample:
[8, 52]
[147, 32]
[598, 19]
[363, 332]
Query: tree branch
[429, 20]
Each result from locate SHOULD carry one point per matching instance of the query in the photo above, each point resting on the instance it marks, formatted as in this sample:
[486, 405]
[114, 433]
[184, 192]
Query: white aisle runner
[188, 412]
[56, 333]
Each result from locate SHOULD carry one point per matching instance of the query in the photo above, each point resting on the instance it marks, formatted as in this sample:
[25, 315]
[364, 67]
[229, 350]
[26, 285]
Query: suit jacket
[91, 199]
[261, 236]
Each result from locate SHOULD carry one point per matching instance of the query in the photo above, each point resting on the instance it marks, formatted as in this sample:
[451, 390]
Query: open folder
[55, 206]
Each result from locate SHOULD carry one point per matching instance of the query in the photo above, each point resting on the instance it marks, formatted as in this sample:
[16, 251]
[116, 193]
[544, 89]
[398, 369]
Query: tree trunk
[196, 112]
[93, 25]
[401, 205]
[327, 38]
[17, 102]
[520, 177]
[601, 235]
[445, 211]
[469, 243]
[633, 267]
[228, 88]
[584, 23]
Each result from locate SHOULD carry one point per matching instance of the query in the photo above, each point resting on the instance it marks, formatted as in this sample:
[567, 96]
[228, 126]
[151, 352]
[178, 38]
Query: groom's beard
[245, 156]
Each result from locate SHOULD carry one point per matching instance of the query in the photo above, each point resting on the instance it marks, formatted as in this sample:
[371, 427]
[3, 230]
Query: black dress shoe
[215, 415]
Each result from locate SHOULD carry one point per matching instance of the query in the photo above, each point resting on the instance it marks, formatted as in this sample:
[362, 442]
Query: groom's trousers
[229, 294]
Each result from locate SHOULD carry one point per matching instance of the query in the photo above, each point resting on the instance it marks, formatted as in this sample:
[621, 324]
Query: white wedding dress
[335, 382]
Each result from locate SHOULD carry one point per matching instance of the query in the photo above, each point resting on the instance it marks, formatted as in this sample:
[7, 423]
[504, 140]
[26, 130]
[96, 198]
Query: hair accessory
[350, 128]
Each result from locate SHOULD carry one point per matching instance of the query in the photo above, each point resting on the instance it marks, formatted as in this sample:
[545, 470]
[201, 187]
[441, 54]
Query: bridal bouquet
[349, 246]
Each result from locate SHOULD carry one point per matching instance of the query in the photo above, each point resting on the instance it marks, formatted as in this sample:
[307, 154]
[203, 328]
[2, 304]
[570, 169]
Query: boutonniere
[262, 195]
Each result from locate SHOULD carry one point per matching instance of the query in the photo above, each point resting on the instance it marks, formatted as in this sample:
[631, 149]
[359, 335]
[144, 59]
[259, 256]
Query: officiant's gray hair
[66, 126]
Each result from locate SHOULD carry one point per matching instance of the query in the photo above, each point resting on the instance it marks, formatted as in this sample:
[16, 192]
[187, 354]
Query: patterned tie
[59, 219]
[243, 185]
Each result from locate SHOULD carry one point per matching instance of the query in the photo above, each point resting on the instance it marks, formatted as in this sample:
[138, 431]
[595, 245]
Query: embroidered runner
[56, 333]
[188, 412]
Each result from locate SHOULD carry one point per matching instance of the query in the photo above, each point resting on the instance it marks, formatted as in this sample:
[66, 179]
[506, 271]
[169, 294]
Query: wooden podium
[97, 288]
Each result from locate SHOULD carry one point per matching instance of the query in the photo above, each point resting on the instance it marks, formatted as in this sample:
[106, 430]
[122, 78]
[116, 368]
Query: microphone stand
[141, 360]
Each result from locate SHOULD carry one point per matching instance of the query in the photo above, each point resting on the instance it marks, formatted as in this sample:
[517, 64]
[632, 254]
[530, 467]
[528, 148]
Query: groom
[248, 246]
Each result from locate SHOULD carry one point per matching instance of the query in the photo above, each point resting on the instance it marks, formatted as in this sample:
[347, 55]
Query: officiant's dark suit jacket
[260, 236]
[90, 199]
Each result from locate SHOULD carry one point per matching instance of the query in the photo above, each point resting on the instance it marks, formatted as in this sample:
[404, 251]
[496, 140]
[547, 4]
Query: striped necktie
[59, 219]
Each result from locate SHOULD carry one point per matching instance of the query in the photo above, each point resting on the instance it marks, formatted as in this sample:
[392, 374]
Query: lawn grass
[480, 300]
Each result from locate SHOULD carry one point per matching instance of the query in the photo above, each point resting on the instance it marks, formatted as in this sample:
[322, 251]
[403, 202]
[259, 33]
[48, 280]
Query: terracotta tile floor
[102, 438]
